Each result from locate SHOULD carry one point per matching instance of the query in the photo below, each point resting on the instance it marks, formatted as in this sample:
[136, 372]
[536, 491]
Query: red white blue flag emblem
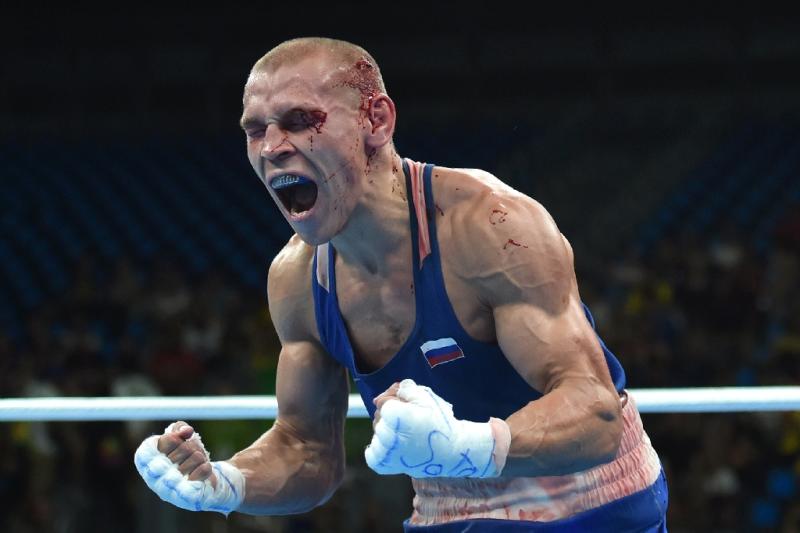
[441, 351]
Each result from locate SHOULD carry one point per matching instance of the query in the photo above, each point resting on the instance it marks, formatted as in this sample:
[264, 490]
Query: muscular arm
[299, 462]
[525, 276]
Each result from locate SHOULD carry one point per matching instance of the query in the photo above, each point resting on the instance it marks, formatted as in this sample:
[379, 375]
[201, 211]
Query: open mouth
[297, 193]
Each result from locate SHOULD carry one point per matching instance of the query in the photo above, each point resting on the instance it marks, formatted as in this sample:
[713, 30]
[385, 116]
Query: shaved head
[351, 65]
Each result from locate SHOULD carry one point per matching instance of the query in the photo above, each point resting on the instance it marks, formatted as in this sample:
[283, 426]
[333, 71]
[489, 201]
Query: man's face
[305, 142]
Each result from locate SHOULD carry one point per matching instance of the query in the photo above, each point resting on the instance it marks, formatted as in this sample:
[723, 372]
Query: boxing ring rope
[667, 400]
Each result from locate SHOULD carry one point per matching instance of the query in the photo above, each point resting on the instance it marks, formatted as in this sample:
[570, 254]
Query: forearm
[286, 474]
[572, 428]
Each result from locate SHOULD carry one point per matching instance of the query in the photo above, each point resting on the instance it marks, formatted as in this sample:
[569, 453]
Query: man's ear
[382, 116]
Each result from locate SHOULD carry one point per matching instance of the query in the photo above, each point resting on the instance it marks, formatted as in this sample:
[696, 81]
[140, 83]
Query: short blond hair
[358, 68]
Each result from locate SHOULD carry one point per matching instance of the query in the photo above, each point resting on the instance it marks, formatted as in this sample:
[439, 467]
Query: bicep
[533, 294]
[312, 392]
[550, 348]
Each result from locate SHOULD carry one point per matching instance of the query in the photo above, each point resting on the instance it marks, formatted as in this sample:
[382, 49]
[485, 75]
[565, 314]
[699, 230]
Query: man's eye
[297, 121]
[255, 133]
[300, 120]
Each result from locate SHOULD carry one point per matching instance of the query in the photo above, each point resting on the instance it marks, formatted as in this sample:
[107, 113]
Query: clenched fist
[417, 434]
[177, 467]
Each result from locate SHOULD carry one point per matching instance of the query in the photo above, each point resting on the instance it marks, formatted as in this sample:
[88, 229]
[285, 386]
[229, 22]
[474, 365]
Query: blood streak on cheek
[512, 242]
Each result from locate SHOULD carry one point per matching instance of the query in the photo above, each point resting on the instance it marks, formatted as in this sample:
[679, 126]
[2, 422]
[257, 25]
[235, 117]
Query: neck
[378, 228]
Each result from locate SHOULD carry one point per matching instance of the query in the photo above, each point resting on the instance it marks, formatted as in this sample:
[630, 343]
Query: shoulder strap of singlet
[321, 293]
[417, 189]
[330, 327]
[431, 295]
[431, 274]
[321, 266]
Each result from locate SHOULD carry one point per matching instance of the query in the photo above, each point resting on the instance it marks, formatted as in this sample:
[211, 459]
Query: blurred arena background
[135, 238]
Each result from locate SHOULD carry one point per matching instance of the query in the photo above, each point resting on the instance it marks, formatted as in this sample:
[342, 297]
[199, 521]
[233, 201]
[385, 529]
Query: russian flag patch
[441, 351]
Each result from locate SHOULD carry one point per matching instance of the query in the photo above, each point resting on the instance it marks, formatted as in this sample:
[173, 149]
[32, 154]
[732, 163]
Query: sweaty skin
[507, 269]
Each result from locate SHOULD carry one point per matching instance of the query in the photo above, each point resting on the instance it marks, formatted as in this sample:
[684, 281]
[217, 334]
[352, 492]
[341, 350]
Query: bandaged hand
[417, 434]
[177, 467]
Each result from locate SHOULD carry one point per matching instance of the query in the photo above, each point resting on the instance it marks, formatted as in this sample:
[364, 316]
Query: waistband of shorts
[644, 510]
[546, 498]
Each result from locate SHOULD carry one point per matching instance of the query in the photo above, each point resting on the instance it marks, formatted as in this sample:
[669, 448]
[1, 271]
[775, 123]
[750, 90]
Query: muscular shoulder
[502, 241]
[291, 304]
[459, 187]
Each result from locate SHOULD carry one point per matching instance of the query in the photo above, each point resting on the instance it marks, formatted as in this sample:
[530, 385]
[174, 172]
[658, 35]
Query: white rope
[673, 400]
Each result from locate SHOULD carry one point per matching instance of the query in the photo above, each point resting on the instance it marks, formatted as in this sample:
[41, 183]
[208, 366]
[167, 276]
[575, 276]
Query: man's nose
[276, 144]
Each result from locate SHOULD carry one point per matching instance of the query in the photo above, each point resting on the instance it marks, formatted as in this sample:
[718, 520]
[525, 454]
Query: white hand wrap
[164, 478]
[420, 437]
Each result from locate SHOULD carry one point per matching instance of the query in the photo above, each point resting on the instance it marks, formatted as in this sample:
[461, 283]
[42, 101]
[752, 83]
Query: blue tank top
[472, 375]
